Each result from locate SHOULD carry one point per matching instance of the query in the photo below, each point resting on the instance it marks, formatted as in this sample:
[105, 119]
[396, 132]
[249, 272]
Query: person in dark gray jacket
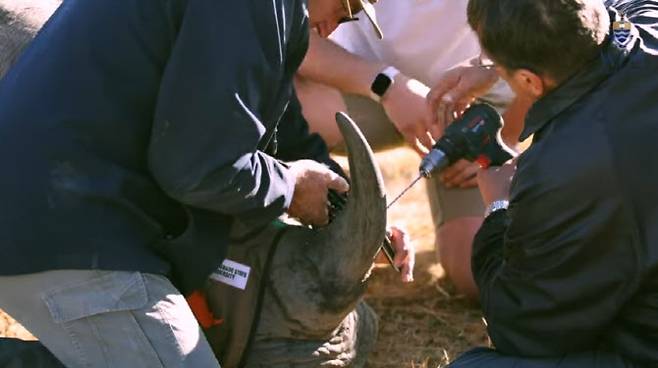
[567, 259]
[134, 134]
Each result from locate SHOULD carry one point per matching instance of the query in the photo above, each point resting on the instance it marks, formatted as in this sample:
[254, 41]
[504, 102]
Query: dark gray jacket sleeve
[555, 268]
[204, 149]
[295, 142]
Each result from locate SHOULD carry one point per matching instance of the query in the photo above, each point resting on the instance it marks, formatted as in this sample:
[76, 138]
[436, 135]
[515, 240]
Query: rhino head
[328, 266]
[310, 311]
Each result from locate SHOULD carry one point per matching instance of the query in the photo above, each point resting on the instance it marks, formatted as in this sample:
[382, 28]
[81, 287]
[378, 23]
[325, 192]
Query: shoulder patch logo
[621, 32]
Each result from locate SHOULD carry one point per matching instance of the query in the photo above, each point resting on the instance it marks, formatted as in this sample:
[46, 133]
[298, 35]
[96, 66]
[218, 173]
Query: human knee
[454, 240]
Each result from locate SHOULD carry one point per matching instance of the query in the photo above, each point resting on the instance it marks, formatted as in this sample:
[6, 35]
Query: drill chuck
[435, 161]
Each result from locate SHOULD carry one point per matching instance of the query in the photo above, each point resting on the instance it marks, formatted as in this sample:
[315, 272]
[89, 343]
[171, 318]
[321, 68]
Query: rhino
[312, 282]
[20, 20]
[303, 305]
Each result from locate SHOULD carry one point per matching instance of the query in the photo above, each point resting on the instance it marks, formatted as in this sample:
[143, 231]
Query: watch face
[380, 84]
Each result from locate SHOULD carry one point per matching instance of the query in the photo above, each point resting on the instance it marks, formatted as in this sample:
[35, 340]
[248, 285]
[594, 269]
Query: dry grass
[425, 324]
[422, 325]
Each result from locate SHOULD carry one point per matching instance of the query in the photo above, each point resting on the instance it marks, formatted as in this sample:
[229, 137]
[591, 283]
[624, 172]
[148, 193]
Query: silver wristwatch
[500, 204]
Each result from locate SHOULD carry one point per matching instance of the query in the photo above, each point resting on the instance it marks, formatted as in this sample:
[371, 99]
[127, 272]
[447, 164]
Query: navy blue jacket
[134, 132]
[572, 265]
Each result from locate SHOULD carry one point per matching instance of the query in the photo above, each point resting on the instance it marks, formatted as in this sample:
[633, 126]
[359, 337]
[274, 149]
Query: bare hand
[405, 253]
[455, 90]
[495, 182]
[461, 174]
[406, 106]
[312, 183]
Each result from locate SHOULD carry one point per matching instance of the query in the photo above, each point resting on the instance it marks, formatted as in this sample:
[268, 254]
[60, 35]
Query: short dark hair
[551, 37]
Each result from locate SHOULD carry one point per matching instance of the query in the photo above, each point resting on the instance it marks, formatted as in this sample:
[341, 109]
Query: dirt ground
[422, 325]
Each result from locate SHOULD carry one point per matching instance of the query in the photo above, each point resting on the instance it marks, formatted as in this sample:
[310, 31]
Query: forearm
[330, 64]
[255, 187]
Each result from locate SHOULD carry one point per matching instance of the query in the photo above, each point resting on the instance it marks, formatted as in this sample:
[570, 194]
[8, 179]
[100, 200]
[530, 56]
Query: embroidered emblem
[621, 32]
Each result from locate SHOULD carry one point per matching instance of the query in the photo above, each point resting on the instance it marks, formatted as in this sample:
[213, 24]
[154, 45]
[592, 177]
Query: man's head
[538, 44]
[326, 15]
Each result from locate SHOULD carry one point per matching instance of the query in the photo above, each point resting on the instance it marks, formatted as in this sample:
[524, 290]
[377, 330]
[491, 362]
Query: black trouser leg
[488, 358]
[15, 353]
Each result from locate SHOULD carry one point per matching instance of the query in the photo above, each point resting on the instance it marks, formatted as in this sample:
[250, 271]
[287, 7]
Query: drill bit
[404, 191]
[387, 248]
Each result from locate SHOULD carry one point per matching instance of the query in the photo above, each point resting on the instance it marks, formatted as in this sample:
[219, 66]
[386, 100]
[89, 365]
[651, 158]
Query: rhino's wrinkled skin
[20, 20]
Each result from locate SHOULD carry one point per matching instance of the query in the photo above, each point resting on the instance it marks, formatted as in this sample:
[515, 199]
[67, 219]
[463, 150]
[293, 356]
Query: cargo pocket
[109, 292]
[97, 314]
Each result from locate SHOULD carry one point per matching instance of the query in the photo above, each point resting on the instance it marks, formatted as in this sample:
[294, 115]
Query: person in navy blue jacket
[567, 258]
[134, 134]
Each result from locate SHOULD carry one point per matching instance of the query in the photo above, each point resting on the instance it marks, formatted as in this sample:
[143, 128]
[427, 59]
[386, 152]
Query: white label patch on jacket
[232, 273]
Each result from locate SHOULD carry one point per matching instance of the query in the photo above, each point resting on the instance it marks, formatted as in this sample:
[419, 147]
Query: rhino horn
[352, 240]
[329, 274]
[318, 276]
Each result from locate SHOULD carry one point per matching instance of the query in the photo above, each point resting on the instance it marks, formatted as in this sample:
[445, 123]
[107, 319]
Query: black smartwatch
[383, 82]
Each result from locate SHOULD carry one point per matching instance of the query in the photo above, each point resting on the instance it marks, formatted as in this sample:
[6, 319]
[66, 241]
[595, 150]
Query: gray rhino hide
[312, 309]
[20, 20]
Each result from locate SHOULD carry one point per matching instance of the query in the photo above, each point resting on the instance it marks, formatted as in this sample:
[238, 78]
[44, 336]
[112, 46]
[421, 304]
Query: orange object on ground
[199, 305]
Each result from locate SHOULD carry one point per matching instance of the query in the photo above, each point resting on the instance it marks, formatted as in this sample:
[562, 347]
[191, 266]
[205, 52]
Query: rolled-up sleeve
[204, 148]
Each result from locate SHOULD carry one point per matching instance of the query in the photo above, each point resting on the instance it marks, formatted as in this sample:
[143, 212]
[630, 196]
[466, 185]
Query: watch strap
[500, 204]
[383, 82]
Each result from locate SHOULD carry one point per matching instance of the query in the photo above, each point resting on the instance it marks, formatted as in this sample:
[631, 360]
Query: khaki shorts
[446, 204]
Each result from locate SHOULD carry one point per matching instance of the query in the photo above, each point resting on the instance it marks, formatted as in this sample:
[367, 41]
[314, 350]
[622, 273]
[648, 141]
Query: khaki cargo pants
[107, 318]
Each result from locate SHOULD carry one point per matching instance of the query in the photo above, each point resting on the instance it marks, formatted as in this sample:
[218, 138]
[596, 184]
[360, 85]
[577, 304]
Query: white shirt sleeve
[351, 37]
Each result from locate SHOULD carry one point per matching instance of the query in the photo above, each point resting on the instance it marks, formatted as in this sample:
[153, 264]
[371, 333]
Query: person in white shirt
[383, 85]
